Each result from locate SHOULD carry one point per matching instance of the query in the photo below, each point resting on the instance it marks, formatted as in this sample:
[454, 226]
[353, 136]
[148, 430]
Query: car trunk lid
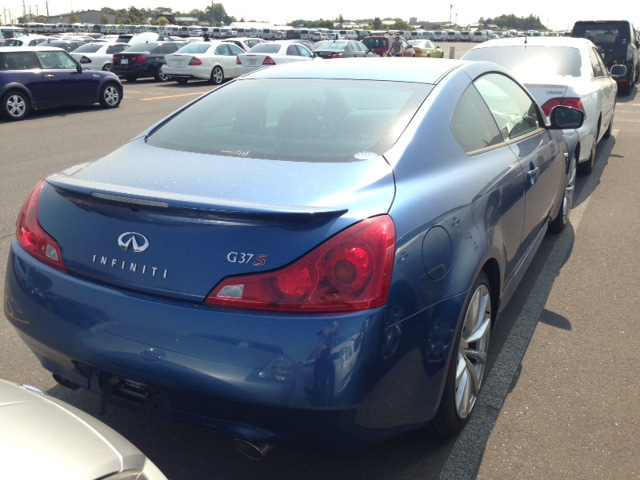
[135, 221]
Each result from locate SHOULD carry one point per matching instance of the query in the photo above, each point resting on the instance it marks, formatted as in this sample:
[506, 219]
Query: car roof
[385, 69]
[536, 41]
[36, 48]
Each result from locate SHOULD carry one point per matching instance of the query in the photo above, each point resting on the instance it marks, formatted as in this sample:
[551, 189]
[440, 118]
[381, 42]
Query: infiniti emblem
[133, 240]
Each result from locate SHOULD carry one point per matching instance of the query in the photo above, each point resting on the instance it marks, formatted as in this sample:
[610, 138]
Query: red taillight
[349, 272]
[195, 61]
[139, 59]
[567, 102]
[268, 61]
[336, 55]
[32, 236]
[238, 62]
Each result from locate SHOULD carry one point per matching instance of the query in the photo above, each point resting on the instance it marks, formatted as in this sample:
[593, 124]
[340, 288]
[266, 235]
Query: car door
[521, 125]
[66, 84]
[227, 54]
[297, 53]
[475, 129]
[604, 87]
[23, 68]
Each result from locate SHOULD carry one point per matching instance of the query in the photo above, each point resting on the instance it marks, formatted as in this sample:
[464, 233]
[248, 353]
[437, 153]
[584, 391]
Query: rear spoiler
[190, 205]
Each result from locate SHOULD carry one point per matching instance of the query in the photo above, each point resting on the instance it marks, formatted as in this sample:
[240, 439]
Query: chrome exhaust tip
[254, 451]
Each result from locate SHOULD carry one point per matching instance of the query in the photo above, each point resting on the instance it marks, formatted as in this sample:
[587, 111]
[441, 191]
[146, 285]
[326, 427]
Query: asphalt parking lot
[563, 387]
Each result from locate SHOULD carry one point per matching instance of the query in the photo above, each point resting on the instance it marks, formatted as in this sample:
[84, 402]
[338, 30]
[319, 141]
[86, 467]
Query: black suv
[619, 43]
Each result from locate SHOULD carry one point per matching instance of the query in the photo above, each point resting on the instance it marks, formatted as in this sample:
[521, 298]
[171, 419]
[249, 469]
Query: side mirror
[618, 71]
[566, 117]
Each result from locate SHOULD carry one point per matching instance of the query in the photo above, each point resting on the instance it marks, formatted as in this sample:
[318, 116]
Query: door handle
[533, 175]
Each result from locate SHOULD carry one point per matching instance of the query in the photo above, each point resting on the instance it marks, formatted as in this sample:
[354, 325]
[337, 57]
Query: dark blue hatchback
[45, 77]
[314, 252]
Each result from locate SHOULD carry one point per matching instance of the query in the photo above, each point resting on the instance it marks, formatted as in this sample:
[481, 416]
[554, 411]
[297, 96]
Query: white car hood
[42, 437]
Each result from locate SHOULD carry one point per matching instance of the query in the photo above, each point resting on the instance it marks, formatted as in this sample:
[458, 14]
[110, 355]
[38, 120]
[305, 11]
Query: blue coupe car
[314, 252]
[46, 77]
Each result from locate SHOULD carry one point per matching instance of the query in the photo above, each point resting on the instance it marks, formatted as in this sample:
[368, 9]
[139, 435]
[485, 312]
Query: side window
[291, 50]
[515, 113]
[222, 50]
[472, 124]
[56, 61]
[304, 52]
[596, 64]
[235, 50]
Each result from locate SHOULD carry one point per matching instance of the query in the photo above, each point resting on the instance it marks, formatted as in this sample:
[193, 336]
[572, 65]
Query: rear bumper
[258, 376]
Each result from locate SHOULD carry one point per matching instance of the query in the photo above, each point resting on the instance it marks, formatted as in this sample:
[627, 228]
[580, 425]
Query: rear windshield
[88, 48]
[373, 42]
[265, 48]
[526, 61]
[142, 48]
[295, 119]
[194, 48]
[603, 34]
[330, 46]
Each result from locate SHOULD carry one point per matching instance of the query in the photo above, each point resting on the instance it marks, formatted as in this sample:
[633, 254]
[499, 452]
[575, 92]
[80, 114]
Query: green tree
[401, 25]
[377, 23]
[73, 17]
[217, 15]
[160, 21]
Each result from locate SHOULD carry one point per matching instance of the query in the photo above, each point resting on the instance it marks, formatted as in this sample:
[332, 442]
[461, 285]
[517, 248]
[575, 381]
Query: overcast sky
[555, 14]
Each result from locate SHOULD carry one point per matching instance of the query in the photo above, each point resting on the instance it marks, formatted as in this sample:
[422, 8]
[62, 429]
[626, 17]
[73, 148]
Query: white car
[44, 437]
[245, 43]
[25, 41]
[98, 55]
[212, 61]
[273, 53]
[561, 71]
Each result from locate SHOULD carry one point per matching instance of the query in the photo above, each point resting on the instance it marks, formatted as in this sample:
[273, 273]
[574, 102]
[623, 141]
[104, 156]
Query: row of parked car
[150, 55]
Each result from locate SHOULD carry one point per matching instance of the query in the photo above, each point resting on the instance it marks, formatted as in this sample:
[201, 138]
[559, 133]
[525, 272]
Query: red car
[380, 45]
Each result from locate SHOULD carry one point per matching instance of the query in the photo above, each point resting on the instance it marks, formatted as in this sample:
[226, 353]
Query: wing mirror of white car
[566, 117]
[618, 71]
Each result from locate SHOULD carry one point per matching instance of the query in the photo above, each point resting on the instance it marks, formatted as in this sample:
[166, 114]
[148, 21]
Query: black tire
[161, 77]
[607, 134]
[106, 67]
[217, 75]
[15, 105]
[585, 168]
[625, 89]
[468, 360]
[560, 221]
[110, 95]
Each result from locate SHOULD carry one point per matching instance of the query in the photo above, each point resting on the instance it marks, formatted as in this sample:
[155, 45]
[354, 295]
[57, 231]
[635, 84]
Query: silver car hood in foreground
[43, 437]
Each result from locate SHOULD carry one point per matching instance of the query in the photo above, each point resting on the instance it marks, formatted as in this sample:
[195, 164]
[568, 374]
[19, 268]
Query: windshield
[295, 119]
[603, 33]
[528, 61]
